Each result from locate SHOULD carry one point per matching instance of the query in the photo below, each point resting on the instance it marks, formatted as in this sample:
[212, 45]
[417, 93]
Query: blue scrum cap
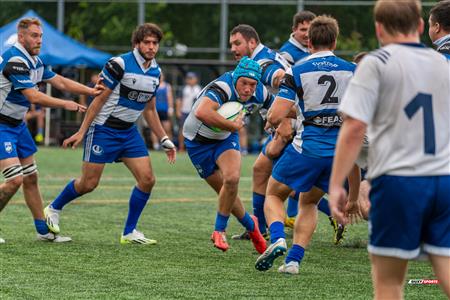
[247, 67]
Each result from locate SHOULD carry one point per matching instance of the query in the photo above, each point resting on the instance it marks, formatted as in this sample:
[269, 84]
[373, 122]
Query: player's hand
[284, 130]
[98, 88]
[73, 106]
[74, 140]
[169, 148]
[239, 121]
[337, 198]
[353, 212]
[269, 128]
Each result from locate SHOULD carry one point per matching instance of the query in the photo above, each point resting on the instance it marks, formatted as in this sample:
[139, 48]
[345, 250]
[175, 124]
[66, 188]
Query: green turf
[183, 264]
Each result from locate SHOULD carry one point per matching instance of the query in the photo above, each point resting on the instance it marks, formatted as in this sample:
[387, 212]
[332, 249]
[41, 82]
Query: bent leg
[12, 171]
[141, 169]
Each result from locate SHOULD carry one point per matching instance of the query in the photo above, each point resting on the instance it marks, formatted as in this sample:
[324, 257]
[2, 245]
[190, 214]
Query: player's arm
[352, 210]
[277, 77]
[66, 84]
[37, 97]
[90, 115]
[207, 113]
[151, 116]
[283, 136]
[351, 136]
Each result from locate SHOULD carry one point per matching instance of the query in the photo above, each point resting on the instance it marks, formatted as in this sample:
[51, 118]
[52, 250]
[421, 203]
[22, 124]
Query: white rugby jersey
[132, 87]
[402, 91]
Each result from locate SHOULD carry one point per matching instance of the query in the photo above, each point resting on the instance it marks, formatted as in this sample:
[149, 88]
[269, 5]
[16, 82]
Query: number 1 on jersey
[424, 101]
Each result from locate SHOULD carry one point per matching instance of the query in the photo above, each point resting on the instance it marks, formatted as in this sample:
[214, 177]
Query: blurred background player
[405, 109]
[184, 104]
[315, 86]
[164, 107]
[21, 70]
[296, 48]
[216, 154]
[110, 133]
[439, 27]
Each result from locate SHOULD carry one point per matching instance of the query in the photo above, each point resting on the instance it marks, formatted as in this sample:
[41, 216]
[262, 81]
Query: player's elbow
[202, 115]
[32, 95]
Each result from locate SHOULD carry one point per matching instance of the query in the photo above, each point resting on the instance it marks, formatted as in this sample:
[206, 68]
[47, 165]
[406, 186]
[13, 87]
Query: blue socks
[296, 253]
[258, 211]
[247, 222]
[68, 194]
[41, 226]
[221, 222]
[292, 207]
[276, 231]
[138, 200]
[324, 207]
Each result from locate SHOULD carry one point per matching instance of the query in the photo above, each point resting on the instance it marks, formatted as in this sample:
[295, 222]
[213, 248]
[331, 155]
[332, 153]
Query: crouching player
[216, 155]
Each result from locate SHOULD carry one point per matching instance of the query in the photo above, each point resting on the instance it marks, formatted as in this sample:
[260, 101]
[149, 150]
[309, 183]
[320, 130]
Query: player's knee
[30, 180]
[231, 180]
[14, 184]
[147, 181]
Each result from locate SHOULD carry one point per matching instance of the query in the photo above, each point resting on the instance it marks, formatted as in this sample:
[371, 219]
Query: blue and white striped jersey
[270, 61]
[293, 51]
[406, 107]
[132, 87]
[316, 86]
[221, 91]
[443, 45]
[18, 71]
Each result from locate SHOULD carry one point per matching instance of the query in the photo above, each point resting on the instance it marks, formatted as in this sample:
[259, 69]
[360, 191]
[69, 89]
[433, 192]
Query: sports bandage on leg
[12, 172]
[29, 169]
[167, 144]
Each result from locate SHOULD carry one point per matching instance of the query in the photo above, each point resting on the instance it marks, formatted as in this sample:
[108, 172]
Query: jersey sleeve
[289, 88]
[268, 71]
[361, 97]
[48, 73]
[113, 72]
[217, 92]
[18, 72]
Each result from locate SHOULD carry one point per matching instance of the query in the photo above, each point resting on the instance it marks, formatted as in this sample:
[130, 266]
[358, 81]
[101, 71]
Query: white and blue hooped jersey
[317, 85]
[18, 71]
[270, 61]
[221, 91]
[402, 92]
[443, 45]
[293, 51]
[132, 87]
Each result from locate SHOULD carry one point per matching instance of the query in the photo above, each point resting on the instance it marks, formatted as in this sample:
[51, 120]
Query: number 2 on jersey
[328, 99]
[424, 101]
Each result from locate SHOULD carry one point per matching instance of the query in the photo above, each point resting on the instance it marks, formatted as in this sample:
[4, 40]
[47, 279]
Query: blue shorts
[204, 156]
[16, 142]
[407, 213]
[104, 144]
[301, 172]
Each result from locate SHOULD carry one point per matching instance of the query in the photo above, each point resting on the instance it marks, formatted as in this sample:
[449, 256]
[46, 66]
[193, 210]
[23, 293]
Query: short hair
[302, 16]
[398, 16]
[247, 31]
[144, 30]
[27, 22]
[323, 31]
[440, 13]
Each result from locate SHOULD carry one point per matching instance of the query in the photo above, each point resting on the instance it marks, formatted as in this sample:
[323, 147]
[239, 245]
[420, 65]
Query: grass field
[184, 264]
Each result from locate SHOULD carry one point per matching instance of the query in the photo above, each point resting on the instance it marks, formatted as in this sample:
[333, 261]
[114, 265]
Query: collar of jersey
[442, 40]
[140, 60]
[294, 42]
[32, 59]
[417, 45]
[320, 54]
[258, 49]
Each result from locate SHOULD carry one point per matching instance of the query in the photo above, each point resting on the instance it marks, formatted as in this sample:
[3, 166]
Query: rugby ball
[230, 111]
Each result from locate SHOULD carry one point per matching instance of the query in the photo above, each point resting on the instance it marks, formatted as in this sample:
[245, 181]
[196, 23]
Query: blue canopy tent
[57, 48]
